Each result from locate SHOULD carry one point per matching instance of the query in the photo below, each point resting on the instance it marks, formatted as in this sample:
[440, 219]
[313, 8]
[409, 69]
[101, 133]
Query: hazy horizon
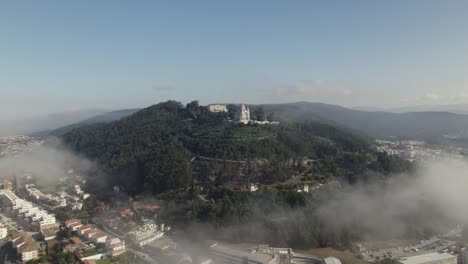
[59, 57]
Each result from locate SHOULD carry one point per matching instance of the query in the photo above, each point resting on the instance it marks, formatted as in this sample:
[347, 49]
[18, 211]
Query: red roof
[90, 231]
[84, 227]
[127, 212]
[73, 225]
[100, 234]
[152, 207]
[75, 240]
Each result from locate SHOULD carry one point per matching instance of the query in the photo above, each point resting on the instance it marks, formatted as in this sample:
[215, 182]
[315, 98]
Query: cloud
[431, 96]
[163, 88]
[309, 90]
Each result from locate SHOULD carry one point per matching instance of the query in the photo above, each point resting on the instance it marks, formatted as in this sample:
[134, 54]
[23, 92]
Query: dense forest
[165, 146]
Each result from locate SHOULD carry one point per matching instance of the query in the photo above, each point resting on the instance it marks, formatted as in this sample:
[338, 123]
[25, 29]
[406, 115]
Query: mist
[46, 163]
[427, 202]
[397, 206]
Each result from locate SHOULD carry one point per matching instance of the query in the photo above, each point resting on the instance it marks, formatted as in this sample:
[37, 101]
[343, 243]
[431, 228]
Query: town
[67, 224]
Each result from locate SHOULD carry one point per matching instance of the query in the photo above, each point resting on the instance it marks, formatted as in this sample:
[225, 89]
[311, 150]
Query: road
[6, 252]
[143, 256]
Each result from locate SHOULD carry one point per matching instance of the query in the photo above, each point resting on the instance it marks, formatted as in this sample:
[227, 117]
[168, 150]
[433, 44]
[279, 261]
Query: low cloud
[431, 96]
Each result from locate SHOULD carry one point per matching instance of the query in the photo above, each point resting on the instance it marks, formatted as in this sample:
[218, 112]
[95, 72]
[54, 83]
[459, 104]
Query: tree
[64, 233]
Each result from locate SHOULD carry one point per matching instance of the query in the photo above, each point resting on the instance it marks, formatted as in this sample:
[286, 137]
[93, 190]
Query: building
[431, 258]
[26, 247]
[100, 237]
[75, 240]
[3, 232]
[224, 254]
[73, 224]
[82, 229]
[217, 108]
[29, 213]
[332, 260]
[48, 234]
[126, 212]
[146, 234]
[8, 183]
[89, 234]
[115, 246]
[77, 206]
[303, 188]
[243, 115]
[252, 187]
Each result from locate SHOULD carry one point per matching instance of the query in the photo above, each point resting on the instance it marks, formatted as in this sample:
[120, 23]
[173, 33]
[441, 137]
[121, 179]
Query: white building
[115, 246]
[217, 108]
[145, 234]
[100, 237]
[26, 210]
[431, 258]
[243, 115]
[332, 260]
[252, 187]
[304, 188]
[26, 247]
[3, 232]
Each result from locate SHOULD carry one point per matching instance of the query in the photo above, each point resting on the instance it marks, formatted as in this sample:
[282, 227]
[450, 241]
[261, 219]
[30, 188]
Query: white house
[3, 232]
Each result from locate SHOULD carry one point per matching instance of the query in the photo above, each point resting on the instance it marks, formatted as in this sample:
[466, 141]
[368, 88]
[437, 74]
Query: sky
[69, 55]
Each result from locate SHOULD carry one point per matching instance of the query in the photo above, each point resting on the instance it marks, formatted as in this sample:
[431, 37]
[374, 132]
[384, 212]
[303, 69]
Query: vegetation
[164, 147]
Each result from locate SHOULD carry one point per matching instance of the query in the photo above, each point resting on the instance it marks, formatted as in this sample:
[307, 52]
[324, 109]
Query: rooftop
[228, 252]
[75, 240]
[427, 258]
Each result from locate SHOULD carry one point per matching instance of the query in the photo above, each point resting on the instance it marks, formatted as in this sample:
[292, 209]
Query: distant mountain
[452, 108]
[101, 118]
[455, 108]
[424, 125]
[24, 126]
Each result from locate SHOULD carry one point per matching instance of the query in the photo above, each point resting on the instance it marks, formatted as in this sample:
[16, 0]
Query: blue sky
[68, 55]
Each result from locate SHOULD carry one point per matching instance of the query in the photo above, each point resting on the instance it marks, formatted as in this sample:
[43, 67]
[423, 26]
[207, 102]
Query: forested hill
[420, 125]
[159, 148]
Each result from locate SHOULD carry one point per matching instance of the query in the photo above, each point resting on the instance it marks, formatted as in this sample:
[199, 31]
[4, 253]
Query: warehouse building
[431, 258]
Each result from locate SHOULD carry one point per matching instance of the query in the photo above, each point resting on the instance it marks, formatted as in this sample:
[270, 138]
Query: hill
[100, 118]
[167, 145]
[423, 125]
[29, 125]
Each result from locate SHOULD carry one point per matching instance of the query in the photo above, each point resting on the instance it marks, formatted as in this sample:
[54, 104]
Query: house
[75, 240]
[3, 232]
[100, 237]
[70, 247]
[217, 108]
[82, 229]
[8, 183]
[115, 246]
[77, 206]
[48, 234]
[73, 224]
[304, 188]
[252, 187]
[26, 247]
[126, 212]
[89, 234]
